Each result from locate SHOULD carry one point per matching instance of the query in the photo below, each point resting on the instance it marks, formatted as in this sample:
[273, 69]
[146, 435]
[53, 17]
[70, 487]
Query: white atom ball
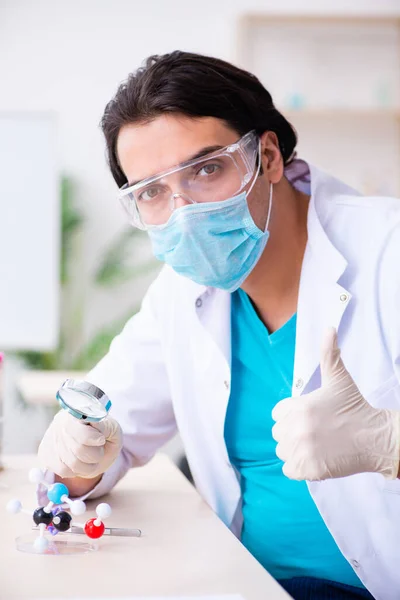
[36, 475]
[41, 544]
[78, 507]
[103, 510]
[14, 506]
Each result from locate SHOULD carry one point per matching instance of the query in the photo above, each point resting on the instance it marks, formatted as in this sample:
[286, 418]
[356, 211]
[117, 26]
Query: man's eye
[149, 194]
[209, 169]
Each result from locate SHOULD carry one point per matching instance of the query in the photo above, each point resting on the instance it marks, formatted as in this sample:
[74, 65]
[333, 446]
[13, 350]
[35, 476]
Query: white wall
[69, 56]
[29, 232]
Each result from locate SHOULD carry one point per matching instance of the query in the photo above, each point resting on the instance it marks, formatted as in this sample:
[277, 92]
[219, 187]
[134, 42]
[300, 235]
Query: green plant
[116, 266]
[71, 223]
[98, 346]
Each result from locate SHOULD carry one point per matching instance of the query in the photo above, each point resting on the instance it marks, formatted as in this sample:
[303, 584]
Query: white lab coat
[170, 369]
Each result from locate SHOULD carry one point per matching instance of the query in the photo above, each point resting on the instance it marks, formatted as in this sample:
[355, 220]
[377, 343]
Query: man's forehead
[147, 149]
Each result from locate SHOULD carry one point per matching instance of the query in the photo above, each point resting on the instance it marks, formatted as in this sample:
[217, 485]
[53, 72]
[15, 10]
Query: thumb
[331, 362]
[109, 427]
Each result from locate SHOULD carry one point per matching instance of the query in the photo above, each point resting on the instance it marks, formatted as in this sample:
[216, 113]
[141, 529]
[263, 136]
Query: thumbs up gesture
[333, 431]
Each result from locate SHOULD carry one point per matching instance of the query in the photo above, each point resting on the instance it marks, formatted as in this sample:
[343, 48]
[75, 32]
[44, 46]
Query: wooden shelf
[336, 78]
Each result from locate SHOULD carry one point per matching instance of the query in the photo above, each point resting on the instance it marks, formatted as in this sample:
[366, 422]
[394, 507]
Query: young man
[296, 451]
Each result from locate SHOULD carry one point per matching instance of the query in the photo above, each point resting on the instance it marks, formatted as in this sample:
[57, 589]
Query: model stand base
[63, 544]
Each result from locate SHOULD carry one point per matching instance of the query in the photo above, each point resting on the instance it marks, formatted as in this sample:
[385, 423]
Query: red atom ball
[93, 531]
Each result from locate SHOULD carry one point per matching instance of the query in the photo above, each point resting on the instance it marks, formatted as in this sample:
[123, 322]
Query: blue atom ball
[56, 492]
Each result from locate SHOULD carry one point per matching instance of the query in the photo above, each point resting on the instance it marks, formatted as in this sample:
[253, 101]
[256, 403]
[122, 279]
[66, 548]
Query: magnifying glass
[83, 400]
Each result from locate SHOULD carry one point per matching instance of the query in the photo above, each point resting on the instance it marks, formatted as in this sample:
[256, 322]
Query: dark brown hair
[195, 86]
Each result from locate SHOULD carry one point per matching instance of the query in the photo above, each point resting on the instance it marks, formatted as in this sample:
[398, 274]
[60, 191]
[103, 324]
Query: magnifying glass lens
[83, 403]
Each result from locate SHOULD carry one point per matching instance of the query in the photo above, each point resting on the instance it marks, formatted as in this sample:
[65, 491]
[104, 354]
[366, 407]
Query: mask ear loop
[270, 186]
[270, 206]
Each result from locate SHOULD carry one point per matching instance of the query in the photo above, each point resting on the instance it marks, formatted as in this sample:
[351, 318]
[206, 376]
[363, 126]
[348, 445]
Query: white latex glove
[70, 448]
[334, 431]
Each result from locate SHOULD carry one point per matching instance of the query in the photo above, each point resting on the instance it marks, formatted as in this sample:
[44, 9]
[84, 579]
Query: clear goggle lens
[213, 178]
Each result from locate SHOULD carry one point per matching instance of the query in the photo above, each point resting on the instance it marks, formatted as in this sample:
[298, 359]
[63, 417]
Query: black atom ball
[41, 516]
[62, 521]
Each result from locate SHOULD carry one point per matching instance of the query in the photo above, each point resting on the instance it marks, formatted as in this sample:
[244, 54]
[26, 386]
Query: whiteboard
[29, 232]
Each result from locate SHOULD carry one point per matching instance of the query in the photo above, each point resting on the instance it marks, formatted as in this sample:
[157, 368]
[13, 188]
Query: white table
[184, 550]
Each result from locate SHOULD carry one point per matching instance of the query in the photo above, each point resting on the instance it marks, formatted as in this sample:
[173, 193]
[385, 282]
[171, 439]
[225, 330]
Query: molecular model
[53, 519]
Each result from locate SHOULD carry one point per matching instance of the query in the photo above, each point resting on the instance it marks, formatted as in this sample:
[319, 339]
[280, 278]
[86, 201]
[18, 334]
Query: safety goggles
[212, 178]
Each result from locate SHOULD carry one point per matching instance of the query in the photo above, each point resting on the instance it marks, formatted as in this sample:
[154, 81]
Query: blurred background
[71, 271]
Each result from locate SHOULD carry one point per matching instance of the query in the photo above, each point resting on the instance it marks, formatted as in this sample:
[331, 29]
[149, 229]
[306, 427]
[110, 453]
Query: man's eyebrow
[199, 154]
[204, 151]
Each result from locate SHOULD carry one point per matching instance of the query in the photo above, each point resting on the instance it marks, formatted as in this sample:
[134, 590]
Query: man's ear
[271, 157]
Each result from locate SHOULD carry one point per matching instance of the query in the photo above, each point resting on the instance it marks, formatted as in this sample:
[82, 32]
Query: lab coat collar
[333, 263]
[322, 300]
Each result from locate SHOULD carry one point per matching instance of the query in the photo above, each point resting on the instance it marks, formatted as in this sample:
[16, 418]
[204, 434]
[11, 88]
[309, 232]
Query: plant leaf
[71, 222]
[99, 345]
[116, 264]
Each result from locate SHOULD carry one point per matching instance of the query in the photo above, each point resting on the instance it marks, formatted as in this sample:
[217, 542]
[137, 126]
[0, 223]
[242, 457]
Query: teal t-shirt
[282, 527]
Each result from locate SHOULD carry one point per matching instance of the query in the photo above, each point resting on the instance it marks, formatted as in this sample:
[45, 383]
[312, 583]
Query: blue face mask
[215, 244]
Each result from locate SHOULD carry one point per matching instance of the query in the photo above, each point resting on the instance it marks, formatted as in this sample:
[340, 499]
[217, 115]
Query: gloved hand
[333, 431]
[70, 448]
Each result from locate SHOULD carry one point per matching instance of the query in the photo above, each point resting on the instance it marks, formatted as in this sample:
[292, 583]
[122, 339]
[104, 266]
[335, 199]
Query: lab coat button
[344, 297]
[226, 384]
[355, 563]
[199, 303]
[299, 383]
